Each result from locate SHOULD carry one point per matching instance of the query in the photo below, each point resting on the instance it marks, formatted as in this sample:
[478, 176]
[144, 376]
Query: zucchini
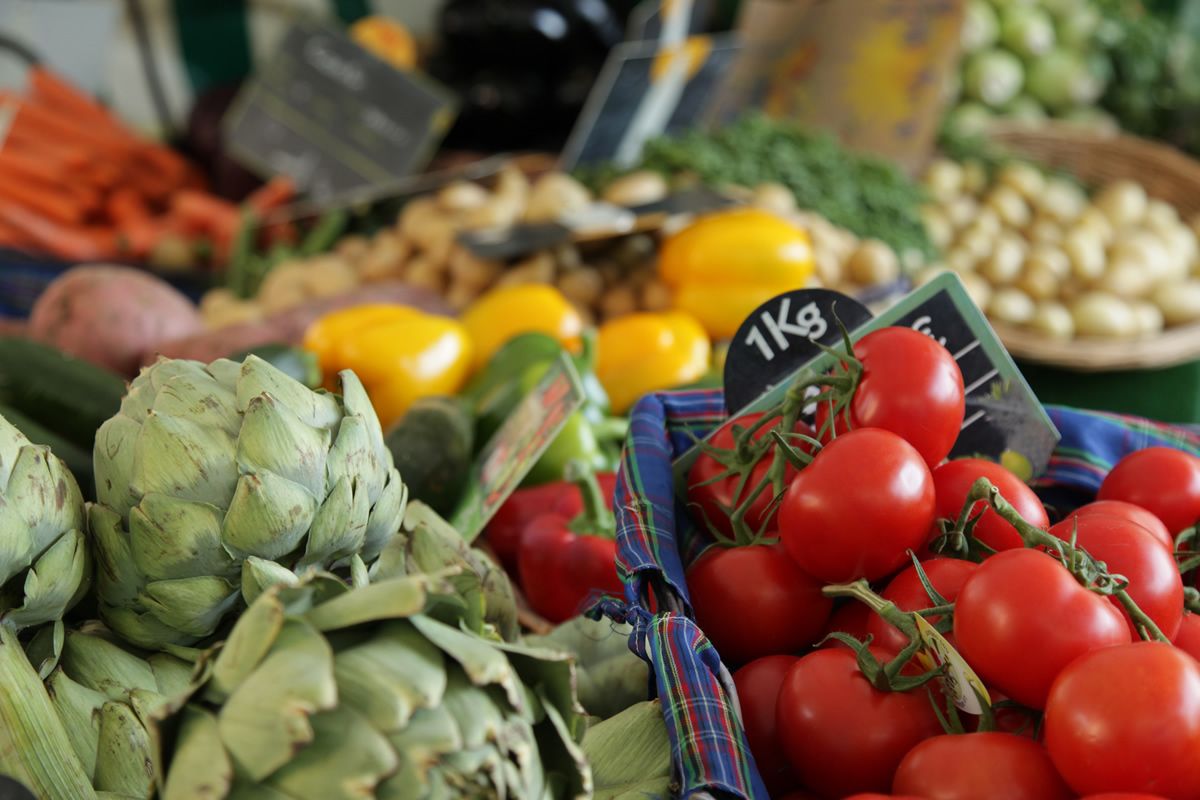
[65, 395]
[78, 460]
[432, 446]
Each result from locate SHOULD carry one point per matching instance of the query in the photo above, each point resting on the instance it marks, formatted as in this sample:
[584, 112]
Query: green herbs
[868, 196]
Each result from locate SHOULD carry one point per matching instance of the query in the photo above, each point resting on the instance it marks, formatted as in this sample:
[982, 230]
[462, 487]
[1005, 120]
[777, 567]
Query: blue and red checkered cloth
[656, 540]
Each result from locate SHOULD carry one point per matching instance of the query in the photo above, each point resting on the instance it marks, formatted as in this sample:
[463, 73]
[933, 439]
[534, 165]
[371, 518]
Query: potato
[1125, 278]
[1009, 206]
[217, 298]
[944, 179]
[471, 272]
[1061, 201]
[874, 262]
[555, 195]
[1123, 202]
[328, 276]
[937, 226]
[654, 296]
[1085, 251]
[774, 197]
[355, 246]
[962, 261]
[828, 266]
[461, 196]
[416, 215]
[1093, 219]
[1003, 266]
[1049, 259]
[1054, 320]
[1179, 302]
[237, 313]
[284, 286]
[582, 286]
[617, 302]
[975, 177]
[1104, 315]
[1160, 215]
[1039, 282]
[636, 189]
[927, 274]
[961, 210]
[1149, 318]
[1012, 306]
[1024, 178]
[1146, 251]
[978, 289]
[538, 268]
[1045, 230]
[111, 315]
[385, 258]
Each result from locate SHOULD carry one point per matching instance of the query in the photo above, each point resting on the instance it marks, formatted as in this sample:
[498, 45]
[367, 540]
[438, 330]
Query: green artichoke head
[214, 482]
[45, 567]
[322, 692]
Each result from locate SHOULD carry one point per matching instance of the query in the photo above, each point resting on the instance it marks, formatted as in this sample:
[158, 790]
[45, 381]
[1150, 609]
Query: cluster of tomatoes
[1078, 630]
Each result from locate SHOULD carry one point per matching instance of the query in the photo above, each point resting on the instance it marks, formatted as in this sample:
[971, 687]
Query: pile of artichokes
[276, 620]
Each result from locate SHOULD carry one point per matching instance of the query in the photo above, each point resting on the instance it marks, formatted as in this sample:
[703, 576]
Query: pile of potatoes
[421, 250]
[1037, 252]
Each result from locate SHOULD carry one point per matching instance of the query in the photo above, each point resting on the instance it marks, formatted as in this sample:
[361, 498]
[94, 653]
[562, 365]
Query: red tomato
[1188, 637]
[947, 576]
[1124, 796]
[910, 386]
[840, 733]
[758, 693]
[878, 796]
[1130, 550]
[560, 569]
[1162, 480]
[715, 497]
[754, 601]
[1135, 514]
[1128, 719]
[1022, 617]
[952, 482]
[980, 766]
[851, 617]
[855, 511]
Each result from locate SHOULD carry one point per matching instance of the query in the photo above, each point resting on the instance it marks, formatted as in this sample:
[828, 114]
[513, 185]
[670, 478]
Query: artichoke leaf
[482, 663]
[200, 766]
[386, 515]
[391, 675]
[266, 719]
[274, 440]
[172, 675]
[191, 606]
[178, 457]
[248, 644]
[197, 396]
[258, 575]
[346, 760]
[332, 536]
[124, 764]
[257, 377]
[45, 496]
[172, 538]
[630, 753]
[55, 582]
[117, 576]
[104, 666]
[478, 711]
[430, 735]
[563, 756]
[397, 597]
[268, 516]
[78, 707]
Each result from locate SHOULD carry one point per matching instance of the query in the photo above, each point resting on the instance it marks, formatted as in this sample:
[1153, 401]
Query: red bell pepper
[504, 530]
[564, 559]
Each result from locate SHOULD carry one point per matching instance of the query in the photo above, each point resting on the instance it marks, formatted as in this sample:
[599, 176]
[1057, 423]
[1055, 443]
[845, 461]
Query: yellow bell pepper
[507, 311]
[386, 39]
[399, 353]
[724, 265]
[648, 352]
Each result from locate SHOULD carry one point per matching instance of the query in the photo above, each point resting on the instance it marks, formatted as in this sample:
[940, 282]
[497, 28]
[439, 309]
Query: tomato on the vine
[1124, 796]
[980, 766]
[754, 601]
[758, 686]
[1022, 617]
[1187, 638]
[1135, 514]
[1128, 719]
[952, 482]
[841, 734]
[946, 575]
[850, 618]
[1162, 480]
[911, 386]
[715, 497]
[855, 511]
[1130, 550]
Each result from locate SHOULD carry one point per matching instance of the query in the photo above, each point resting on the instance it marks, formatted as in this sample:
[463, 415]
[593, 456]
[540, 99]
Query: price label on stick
[514, 449]
[334, 117]
[959, 683]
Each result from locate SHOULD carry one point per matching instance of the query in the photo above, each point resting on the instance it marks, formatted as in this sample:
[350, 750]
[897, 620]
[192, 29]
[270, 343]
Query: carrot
[271, 195]
[12, 237]
[50, 203]
[199, 212]
[138, 237]
[125, 205]
[103, 174]
[72, 242]
[164, 162]
[54, 92]
[63, 156]
[39, 121]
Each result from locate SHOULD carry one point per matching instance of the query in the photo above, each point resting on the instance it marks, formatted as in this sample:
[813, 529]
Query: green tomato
[980, 26]
[993, 77]
[1028, 32]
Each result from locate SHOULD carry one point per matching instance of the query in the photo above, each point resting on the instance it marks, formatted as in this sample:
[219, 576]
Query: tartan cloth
[656, 540]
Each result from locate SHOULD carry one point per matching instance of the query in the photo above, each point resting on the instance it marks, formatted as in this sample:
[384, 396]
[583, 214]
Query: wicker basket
[1097, 158]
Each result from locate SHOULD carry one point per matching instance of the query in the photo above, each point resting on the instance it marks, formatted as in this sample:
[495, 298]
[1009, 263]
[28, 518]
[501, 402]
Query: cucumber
[295, 362]
[65, 395]
[432, 446]
[78, 460]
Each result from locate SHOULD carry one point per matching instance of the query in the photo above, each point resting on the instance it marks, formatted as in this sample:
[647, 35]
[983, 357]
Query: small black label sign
[780, 336]
[333, 117]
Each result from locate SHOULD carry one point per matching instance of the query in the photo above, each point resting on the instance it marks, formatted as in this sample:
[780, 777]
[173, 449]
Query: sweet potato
[111, 315]
[288, 326]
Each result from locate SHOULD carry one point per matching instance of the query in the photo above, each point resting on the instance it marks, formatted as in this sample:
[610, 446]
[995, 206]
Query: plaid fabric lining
[655, 539]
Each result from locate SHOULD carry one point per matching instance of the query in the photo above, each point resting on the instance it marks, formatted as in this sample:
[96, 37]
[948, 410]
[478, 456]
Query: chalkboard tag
[781, 336]
[646, 90]
[12, 789]
[334, 117]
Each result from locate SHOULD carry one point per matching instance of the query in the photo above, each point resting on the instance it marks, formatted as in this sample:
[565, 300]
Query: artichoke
[217, 481]
[45, 567]
[326, 692]
[104, 696]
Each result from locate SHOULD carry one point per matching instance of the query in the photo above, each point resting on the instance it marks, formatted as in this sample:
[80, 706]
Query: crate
[656, 541]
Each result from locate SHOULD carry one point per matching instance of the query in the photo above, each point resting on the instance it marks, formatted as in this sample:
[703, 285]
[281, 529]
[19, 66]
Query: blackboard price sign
[333, 117]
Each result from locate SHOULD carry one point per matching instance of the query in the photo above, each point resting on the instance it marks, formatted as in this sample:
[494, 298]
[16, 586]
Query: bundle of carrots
[77, 184]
